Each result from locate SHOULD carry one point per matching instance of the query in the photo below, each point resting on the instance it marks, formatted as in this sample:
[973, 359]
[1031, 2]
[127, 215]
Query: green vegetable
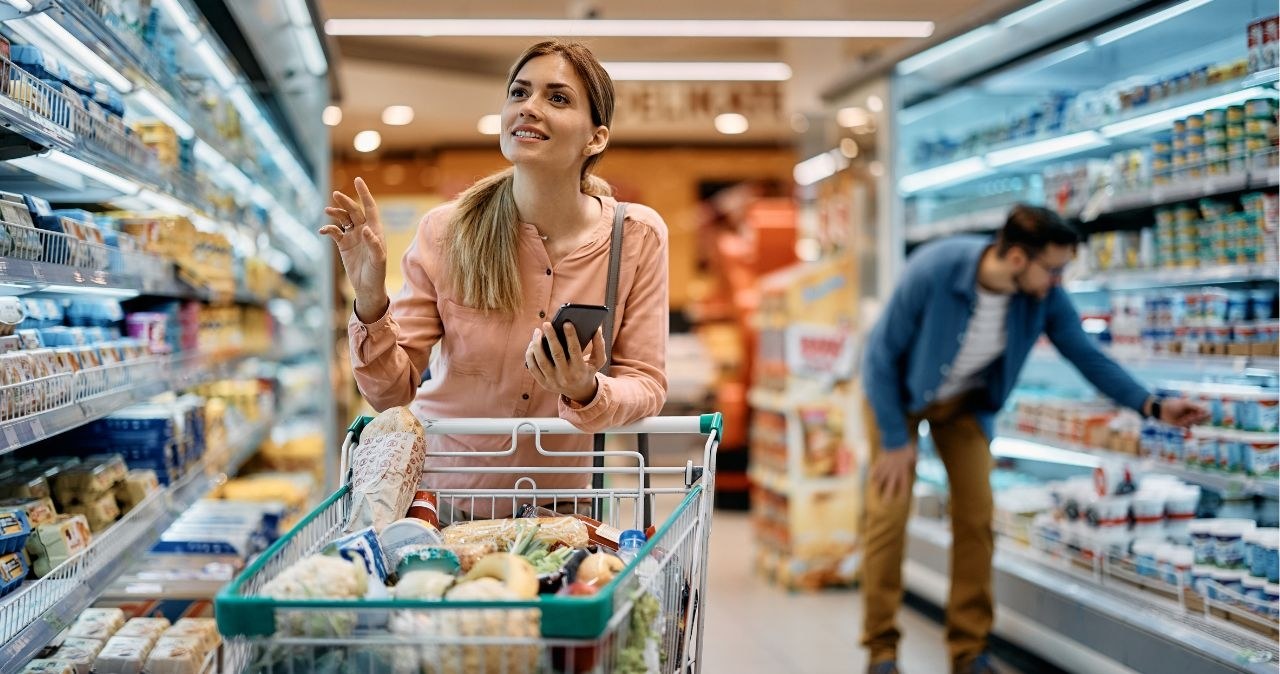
[545, 562]
[644, 616]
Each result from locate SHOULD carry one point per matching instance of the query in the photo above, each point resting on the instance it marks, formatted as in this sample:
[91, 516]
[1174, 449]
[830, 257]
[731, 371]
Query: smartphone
[586, 319]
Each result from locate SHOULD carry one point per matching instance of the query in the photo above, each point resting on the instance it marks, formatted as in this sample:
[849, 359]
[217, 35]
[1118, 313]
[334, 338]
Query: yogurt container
[1269, 549]
[1231, 580]
[1228, 547]
[1261, 302]
[1144, 556]
[1202, 541]
[1181, 559]
[1200, 575]
[1253, 587]
[1271, 591]
[1261, 452]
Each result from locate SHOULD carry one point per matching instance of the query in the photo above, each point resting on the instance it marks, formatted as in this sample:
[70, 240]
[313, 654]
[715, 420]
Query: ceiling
[451, 82]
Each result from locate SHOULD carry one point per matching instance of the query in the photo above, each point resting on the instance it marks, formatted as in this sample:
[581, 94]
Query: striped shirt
[984, 341]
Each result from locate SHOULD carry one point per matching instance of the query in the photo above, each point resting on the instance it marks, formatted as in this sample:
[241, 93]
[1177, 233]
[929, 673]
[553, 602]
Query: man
[948, 349]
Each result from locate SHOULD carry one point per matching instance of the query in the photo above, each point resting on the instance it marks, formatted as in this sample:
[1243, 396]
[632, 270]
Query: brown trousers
[965, 452]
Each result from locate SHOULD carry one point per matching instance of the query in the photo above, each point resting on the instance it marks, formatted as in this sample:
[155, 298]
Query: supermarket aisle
[754, 627]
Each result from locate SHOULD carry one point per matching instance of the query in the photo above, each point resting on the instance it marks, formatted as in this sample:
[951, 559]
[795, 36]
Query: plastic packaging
[566, 531]
[1202, 540]
[14, 530]
[629, 544]
[1144, 556]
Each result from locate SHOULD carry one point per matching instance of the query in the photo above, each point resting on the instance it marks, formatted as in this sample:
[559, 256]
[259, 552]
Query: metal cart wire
[649, 619]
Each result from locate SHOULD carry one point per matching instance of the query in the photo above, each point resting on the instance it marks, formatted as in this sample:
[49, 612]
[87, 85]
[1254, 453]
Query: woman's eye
[559, 98]
[517, 92]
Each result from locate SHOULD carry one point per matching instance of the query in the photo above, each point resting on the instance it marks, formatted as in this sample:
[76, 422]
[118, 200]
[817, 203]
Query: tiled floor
[755, 627]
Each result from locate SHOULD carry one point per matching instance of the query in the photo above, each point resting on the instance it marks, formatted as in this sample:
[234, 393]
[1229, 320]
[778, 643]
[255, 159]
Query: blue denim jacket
[912, 346]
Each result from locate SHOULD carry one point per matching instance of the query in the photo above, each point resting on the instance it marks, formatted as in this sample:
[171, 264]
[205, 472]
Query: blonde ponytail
[482, 245]
[594, 185]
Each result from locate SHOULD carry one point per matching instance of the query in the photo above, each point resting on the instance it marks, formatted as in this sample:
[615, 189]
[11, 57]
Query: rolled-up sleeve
[636, 386]
[390, 354]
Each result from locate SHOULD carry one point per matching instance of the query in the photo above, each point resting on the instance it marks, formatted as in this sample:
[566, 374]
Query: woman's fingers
[353, 209]
[366, 199]
[374, 241]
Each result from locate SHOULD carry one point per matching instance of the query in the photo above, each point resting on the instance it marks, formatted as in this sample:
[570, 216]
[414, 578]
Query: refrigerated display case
[1151, 127]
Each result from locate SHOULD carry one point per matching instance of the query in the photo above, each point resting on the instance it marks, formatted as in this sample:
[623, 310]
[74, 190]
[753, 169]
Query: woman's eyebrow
[550, 85]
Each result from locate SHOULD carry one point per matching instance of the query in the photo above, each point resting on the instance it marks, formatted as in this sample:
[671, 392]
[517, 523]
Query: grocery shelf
[1015, 445]
[1027, 152]
[41, 609]
[987, 220]
[1170, 366]
[1261, 177]
[1066, 617]
[778, 482]
[1140, 279]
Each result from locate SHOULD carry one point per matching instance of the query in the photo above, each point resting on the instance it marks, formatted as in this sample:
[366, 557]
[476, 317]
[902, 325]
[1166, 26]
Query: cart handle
[702, 424]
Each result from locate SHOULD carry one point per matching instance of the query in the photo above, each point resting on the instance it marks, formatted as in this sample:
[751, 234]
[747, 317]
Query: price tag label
[10, 437]
[37, 429]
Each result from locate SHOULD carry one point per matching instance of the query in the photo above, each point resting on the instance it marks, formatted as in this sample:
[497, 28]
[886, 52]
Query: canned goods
[1235, 131]
[1235, 113]
[1215, 152]
[1196, 122]
[1196, 139]
[1215, 136]
[1215, 117]
[1259, 108]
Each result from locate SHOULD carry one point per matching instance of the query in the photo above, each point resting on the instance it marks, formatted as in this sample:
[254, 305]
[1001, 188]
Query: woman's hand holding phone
[363, 249]
[571, 374]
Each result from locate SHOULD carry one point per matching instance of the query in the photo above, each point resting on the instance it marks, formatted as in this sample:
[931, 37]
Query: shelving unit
[43, 608]
[1063, 615]
[1146, 279]
[1014, 445]
[1172, 366]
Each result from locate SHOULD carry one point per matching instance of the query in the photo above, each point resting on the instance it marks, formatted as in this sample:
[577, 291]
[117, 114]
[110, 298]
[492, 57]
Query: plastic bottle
[629, 544]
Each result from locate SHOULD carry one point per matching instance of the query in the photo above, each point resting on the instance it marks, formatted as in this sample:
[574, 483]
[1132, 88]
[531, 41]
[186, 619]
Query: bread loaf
[385, 467]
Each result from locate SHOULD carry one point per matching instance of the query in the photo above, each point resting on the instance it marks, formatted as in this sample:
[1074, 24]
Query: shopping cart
[649, 619]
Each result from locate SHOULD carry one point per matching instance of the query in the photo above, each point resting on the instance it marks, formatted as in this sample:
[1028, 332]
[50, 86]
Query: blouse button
[548, 271]
[525, 396]
[542, 314]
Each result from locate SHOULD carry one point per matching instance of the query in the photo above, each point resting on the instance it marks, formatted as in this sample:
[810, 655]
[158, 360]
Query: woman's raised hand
[363, 248]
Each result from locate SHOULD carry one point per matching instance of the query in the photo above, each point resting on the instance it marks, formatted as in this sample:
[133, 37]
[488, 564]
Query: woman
[486, 273]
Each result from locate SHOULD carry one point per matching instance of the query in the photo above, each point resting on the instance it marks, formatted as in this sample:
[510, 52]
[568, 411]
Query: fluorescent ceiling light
[312, 51]
[1148, 21]
[819, 167]
[689, 71]
[946, 49]
[218, 68]
[1045, 149]
[77, 50]
[875, 103]
[490, 125]
[852, 116]
[397, 115]
[115, 182]
[181, 19]
[965, 169]
[332, 116]
[731, 124]
[88, 289]
[164, 113]
[1027, 13]
[164, 203]
[367, 141]
[626, 28]
[1163, 117]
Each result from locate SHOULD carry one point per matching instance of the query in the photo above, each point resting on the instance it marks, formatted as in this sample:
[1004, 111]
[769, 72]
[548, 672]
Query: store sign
[675, 102]
[820, 352]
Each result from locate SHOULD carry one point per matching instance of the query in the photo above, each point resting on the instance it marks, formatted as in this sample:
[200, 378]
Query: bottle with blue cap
[629, 544]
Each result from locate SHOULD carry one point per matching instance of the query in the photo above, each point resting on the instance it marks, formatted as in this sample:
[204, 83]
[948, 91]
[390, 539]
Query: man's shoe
[883, 667]
[983, 664]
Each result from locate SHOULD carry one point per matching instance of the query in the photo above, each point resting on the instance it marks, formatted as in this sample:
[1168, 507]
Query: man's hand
[894, 471]
[1180, 412]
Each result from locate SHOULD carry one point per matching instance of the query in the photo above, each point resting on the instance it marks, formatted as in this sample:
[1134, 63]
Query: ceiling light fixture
[690, 71]
[852, 117]
[397, 115]
[626, 28]
[875, 103]
[49, 35]
[367, 141]
[332, 116]
[490, 125]
[731, 124]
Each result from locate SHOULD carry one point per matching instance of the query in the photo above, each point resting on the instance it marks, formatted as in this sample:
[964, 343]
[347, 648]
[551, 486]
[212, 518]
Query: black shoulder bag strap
[611, 301]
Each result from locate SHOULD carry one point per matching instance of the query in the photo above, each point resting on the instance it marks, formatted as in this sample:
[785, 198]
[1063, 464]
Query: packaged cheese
[386, 466]
[13, 568]
[102, 512]
[148, 628]
[98, 624]
[122, 655]
[49, 666]
[177, 655]
[79, 655]
[53, 544]
[39, 511]
[204, 629]
[14, 529]
[135, 488]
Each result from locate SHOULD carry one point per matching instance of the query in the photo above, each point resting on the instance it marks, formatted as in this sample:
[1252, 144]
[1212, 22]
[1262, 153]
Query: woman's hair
[482, 239]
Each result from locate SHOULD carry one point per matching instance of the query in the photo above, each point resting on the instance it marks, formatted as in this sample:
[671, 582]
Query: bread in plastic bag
[553, 531]
[385, 467]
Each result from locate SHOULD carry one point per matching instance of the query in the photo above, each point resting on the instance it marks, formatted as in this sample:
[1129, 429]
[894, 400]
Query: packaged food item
[39, 511]
[49, 666]
[122, 655]
[13, 568]
[135, 488]
[83, 483]
[101, 512]
[386, 466]
[79, 653]
[12, 312]
[425, 507]
[362, 547]
[552, 531]
[53, 544]
[144, 628]
[204, 629]
[176, 655]
[599, 532]
[1228, 549]
[14, 529]
[468, 554]
[428, 559]
[401, 536]
[97, 623]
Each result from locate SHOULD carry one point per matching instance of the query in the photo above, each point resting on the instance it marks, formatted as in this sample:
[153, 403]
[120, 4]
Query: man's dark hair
[1032, 228]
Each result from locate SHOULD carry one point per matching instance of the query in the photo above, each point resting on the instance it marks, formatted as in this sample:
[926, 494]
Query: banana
[513, 571]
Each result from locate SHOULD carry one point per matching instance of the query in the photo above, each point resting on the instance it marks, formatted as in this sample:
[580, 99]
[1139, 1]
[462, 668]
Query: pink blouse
[480, 370]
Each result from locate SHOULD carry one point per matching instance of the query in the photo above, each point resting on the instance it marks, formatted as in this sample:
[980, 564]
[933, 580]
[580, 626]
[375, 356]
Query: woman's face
[546, 120]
